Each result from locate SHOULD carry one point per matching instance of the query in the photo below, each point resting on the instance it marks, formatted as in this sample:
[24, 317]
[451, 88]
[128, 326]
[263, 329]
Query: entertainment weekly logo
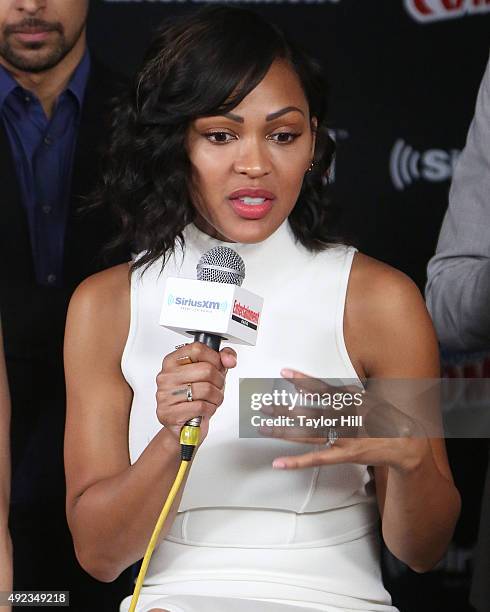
[245, 312]
[408, 165]
[426, 11]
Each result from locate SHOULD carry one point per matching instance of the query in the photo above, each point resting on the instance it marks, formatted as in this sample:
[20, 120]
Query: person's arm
[5, 541]
[458, 286]
[389, 335]
[418, 501]
[112, 506]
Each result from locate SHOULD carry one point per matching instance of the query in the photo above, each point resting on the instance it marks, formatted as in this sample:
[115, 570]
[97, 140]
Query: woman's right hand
[206, 373]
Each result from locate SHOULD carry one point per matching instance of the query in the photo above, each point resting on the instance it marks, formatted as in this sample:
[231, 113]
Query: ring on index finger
[189, 392]
[333, 436]
[185, 360]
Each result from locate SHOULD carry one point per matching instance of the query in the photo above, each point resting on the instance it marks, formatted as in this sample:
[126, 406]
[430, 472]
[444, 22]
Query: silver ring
[333, 436]
[189, 392]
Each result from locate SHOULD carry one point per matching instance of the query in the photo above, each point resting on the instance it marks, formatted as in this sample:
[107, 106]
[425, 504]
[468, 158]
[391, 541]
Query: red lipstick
[251, 203]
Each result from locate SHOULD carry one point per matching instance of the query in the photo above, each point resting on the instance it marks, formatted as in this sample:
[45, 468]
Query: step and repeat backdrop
[404, 76]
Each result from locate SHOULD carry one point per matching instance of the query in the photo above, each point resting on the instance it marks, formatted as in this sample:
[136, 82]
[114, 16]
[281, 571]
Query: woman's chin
[249, 231]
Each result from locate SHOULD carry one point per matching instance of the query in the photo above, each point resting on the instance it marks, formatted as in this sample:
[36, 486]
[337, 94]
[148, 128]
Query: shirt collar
[76, 85]
[79, 79]
[7, 85]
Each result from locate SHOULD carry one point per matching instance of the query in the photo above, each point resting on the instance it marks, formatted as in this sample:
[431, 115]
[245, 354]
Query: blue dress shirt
[43, 150]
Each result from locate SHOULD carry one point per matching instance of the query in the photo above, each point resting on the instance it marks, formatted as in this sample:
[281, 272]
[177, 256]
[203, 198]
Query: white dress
[249, 538]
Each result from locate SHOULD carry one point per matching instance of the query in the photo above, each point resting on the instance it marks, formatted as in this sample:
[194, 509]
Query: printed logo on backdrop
[229, 1]
[408, 165]
[426, 11]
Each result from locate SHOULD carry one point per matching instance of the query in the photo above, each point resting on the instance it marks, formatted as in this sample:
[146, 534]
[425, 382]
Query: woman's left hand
[400, 442]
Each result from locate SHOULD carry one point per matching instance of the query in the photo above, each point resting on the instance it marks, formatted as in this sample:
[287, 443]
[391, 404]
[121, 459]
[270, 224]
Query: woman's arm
[388, 329]
[389, 335]
[112, 506]
[5, 541]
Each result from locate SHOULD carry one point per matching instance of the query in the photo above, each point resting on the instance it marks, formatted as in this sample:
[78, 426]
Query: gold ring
[189, 392]
[185, 360]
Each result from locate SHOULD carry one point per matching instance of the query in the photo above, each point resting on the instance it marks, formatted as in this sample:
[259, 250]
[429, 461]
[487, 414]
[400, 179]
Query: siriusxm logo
[189, 302]
[408, 165]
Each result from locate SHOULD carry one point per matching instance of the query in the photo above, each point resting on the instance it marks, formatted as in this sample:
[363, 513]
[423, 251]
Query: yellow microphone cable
[189, 439]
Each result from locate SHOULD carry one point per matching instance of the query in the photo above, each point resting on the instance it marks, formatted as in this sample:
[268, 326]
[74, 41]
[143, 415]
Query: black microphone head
[221, 265]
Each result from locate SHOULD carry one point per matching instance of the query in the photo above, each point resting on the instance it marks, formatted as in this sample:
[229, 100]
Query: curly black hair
[202, 64]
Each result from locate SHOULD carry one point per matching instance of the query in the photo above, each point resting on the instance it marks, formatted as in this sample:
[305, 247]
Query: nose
[30, 6]
[253, 159]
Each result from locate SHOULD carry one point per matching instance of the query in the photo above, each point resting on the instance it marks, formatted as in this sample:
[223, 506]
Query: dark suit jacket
[33, 317]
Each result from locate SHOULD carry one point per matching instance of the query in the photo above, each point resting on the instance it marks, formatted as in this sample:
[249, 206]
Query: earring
[311, 166]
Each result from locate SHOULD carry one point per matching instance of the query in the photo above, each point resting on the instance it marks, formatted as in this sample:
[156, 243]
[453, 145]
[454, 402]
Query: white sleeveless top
[306, 522]
[301, 328]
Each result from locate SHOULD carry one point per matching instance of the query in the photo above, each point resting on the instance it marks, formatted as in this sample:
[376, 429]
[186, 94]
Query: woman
[224, 141]
[5, 541]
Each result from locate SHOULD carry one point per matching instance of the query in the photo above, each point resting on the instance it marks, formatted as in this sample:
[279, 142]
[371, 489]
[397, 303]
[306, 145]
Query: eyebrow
[269, 117]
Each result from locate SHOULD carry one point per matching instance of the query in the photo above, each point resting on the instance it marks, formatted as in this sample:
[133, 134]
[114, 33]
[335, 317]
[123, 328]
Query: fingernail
[277, 463]
[287, 373]
[232, 360]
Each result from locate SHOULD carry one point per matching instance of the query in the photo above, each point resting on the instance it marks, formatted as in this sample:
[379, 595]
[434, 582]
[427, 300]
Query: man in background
[458, 287]
[5, 541]
[53, 115]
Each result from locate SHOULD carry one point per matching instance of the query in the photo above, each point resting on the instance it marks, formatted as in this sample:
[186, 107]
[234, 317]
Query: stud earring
[311, 166]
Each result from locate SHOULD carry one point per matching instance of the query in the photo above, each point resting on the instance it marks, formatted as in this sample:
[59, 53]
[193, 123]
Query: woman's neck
[202, 224]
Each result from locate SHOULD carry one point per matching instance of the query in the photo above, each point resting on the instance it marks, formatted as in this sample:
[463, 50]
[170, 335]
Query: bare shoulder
[98, 396]
[103, 289]
[101, 305]
[387, 327]
[375, 284]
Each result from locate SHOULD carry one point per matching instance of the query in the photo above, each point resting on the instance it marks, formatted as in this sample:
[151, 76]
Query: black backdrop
[404, 76]
[402, 98]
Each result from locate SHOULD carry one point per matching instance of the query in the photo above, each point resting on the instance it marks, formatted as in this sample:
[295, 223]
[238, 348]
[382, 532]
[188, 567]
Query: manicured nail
[277, 463]
[287, 373]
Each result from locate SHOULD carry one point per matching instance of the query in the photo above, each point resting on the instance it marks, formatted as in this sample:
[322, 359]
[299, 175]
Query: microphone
[214, 307]
[211, 309]
[219, 265]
